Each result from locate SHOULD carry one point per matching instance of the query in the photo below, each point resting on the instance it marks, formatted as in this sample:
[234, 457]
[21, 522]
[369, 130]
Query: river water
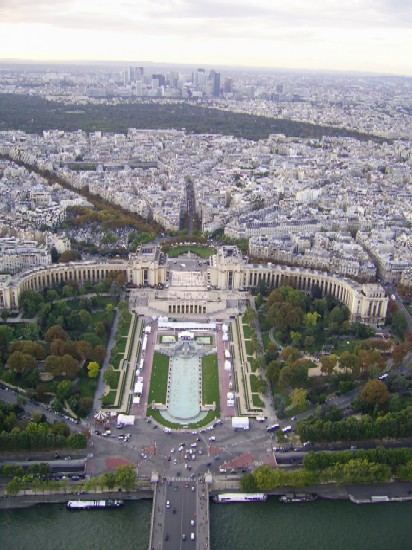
[319, 525]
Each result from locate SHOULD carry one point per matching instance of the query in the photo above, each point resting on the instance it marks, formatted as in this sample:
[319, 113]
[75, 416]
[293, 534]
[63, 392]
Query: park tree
[374, 393]
[399, 352]
[271, 352]
[99, 354]
[298, 398]
[30, 301]
[84, 350]
[289, 354]
[31, 331]
[126, 477]
[60, 428]
[21, 362]
[64, 390]
[248, 483]
[93, 369]
[85, 318]
[115, 289]
[68, 256]
[70, 367]
[56, 332]
[399, 323]
[294, 375]
[53, 365]
[85, 405]
[31, 348]
[52, 295]
[310, 319]
[350, 361]
[328, 363]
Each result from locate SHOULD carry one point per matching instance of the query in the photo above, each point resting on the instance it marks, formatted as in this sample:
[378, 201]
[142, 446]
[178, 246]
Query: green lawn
[249, 347]
[211, 415]
[201, 251]
[210, 380]
[266, 340]
[87, 386]
[158, 381]
[109, 399]
[116, 382]
[253, 363]
[247, 331]
[121, 345]
[254, 383]
[256, 400]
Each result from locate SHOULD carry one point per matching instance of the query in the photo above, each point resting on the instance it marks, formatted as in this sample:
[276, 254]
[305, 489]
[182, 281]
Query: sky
[343, 35]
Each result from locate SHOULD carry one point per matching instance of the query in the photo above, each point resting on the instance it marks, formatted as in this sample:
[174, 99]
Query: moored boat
[297, 497]
[94, 504]
[240, 497]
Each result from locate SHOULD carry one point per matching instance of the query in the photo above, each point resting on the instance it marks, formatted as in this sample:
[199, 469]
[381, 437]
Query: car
[192, 522]
[183, 537]
[176, 488]
[209, 464]
[174, 510]
[217, 457]
[186, 485]
[213, 438]
[193, 488]
[166, 537]
[172, 450]
[167, 503]
[175, 461]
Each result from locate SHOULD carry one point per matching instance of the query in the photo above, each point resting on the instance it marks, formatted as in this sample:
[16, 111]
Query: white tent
[225, 338]
[228, 366]
[225, 328]
[126, 419]
[227, 354]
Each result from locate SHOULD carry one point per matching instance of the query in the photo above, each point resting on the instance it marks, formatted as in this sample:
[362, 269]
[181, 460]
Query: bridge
[180, 514]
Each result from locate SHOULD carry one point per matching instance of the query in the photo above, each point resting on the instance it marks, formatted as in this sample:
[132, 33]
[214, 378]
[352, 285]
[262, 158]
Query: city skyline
[364, 36]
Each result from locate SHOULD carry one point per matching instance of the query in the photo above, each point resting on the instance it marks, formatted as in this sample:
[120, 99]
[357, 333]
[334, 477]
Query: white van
[192, 536]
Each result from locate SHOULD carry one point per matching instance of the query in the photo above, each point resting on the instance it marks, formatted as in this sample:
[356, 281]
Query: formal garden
[54, 354]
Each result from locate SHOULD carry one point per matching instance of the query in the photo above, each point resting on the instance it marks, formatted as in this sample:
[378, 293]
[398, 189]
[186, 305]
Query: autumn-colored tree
[350, 361]
[70, 367]
[93, 369]
[56, 332]
[375, 392]
[328, 363]
[289, 354]
[21, 362]
[298, 398]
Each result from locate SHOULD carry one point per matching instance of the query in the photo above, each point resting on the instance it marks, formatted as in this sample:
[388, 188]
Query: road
[182, 498]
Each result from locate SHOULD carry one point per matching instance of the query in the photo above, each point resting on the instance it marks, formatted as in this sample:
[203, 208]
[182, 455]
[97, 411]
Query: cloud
[175, 16]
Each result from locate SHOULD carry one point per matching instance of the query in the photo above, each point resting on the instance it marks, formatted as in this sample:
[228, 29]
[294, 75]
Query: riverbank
[27, 501]
[397, 491]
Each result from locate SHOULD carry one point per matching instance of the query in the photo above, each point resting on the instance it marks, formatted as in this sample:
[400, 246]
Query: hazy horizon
[366, 36]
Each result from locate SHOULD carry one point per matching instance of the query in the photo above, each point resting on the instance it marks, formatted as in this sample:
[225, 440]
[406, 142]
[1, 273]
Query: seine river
[320, 525]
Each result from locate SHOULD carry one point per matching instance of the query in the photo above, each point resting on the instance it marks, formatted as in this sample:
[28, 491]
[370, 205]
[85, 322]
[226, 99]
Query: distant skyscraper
[214, 77]
[161, 78]
[228, 86]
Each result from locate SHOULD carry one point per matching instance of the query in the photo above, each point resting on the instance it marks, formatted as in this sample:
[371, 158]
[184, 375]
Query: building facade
[226, 278]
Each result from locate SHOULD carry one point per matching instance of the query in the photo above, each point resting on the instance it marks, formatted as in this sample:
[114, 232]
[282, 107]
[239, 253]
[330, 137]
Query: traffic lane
[183, 500]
